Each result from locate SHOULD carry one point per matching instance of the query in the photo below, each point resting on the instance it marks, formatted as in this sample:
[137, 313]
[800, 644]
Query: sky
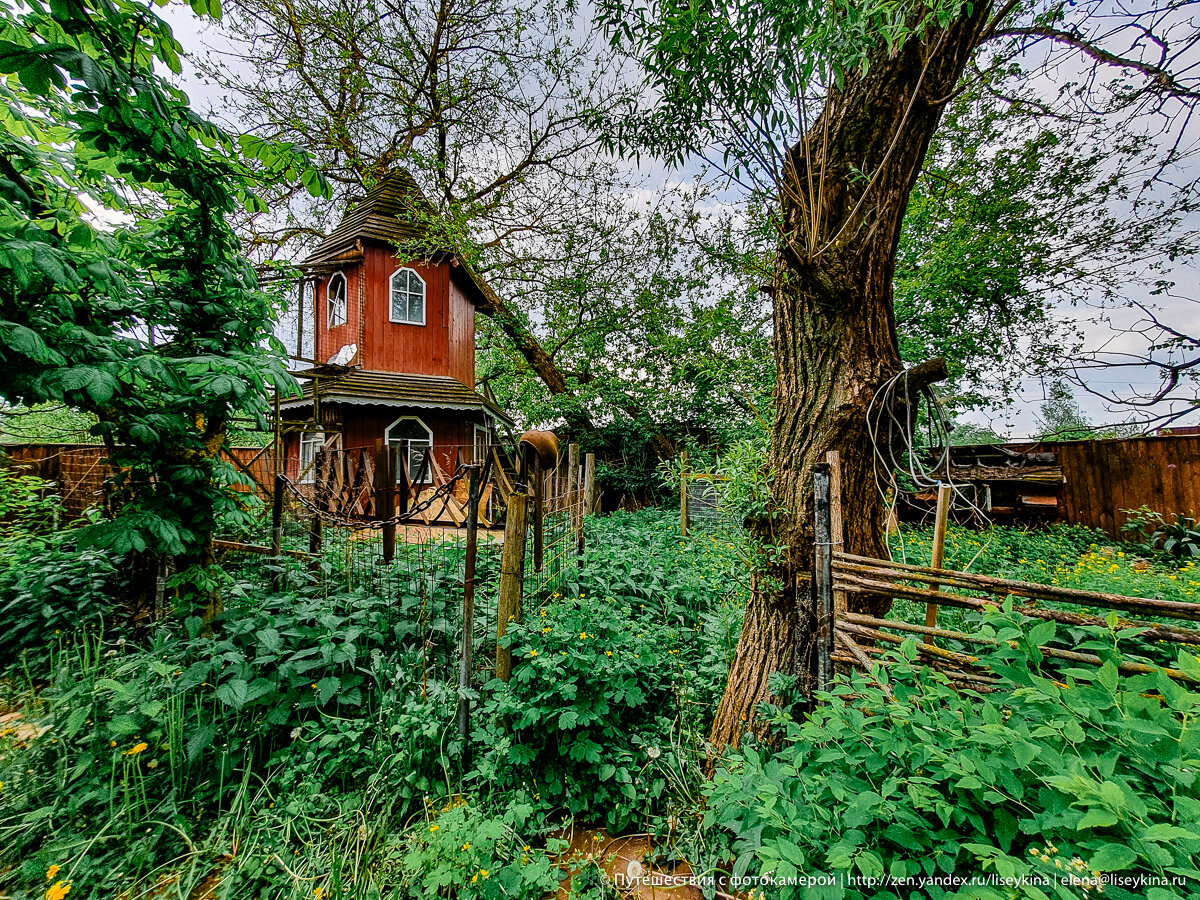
[1107, 332]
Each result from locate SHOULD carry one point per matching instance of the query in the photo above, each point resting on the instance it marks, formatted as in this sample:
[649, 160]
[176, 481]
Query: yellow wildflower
[318, 893]
[59, 890]
[533, 653]
[608, 653]
[433, 828]
[138, 748]
[483, 873]
[466, 846]
[52, 871]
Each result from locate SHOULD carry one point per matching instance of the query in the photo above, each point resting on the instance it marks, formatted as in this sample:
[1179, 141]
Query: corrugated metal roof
[396, 389]
[394, 212]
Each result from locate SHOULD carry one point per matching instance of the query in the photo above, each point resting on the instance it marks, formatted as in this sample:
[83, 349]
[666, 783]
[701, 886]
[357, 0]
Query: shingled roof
[392, 213]
[358, 387]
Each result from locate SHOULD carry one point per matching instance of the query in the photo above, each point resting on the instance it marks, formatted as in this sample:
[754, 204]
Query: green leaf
[233, 692]
[1112, 858]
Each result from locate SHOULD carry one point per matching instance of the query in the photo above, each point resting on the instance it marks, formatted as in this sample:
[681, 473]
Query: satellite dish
[343, 356]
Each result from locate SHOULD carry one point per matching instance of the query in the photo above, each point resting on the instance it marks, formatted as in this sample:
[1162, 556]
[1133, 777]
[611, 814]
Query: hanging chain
[442, 493]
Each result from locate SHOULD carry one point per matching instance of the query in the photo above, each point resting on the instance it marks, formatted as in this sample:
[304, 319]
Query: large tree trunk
[835, 332]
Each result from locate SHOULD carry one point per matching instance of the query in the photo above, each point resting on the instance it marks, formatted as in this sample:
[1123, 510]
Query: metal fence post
[823, 576]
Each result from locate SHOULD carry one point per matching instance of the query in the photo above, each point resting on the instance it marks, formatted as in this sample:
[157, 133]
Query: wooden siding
[1105, 477]
[80, 471]
[444, 345]
[453, 432]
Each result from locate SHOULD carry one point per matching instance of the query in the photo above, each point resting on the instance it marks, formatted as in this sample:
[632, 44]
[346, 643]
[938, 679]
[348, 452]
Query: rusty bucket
[543, 445]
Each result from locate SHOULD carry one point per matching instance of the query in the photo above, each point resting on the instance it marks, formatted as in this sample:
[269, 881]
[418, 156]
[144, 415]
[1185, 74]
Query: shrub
[56, 590]
[461, 851]
[1048, 777]
[587, 713]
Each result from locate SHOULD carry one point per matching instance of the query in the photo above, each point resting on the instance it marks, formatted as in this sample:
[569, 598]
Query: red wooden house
[394, 326]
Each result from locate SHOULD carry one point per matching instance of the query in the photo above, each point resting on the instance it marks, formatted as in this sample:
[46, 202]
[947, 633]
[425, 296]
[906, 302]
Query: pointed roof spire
[395, 212]
[391, 212]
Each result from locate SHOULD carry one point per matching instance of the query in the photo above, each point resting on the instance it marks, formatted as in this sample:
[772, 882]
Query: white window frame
[391, 294]
[335, 315]
[479, 447]
[310, 443]
[412, 462]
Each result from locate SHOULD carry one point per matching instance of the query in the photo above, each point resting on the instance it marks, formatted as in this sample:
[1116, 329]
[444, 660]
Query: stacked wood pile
[1079, 482]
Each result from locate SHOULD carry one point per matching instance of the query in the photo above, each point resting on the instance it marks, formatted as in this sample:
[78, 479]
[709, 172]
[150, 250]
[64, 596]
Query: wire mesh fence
[330, 540]
[706, 509]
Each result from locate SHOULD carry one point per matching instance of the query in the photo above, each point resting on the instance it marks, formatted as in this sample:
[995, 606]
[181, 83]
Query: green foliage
[727, 70]
[587, 712]
[463, 852]
[57, 591]
[47, 423]
[1177, 540]
[150, 322]
[1052, 777]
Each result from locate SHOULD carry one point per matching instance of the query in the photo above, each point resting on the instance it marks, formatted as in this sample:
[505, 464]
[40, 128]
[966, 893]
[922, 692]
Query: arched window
[335, 300]
[415, 439]
[408, 297]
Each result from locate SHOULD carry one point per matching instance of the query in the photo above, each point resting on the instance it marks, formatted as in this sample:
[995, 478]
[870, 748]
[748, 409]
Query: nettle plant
[1056, 775]
[584, 725]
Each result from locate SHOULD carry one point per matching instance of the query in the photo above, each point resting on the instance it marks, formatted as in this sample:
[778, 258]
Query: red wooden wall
[444, 345]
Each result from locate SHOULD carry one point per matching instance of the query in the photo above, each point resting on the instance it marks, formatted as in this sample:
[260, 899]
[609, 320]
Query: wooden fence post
[823, 576]
[683, 493]
[277, 516]
[589, 484]
[385, 496]
[277, 527]
[941, 519]
[466, 658]
[512, 566]
[575, 494]
[538, 512]
[837, 527]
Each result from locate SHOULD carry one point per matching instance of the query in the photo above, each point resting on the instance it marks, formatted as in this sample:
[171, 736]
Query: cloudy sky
[1111, 331]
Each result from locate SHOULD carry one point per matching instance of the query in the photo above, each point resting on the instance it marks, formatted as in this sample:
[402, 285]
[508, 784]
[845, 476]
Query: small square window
[408, 297]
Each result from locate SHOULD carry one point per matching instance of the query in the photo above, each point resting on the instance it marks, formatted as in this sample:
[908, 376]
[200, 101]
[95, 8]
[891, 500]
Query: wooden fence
[79, 471]
[855, 638]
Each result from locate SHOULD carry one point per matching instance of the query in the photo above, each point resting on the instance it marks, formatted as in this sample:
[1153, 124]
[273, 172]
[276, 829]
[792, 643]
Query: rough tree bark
[835, 332]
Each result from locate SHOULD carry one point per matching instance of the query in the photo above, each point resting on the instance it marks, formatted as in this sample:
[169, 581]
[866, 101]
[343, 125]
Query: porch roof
[365, 388]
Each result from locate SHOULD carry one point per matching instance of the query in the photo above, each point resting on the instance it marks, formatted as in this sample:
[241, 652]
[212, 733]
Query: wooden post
[683, 493]
[466, 657]
[575, 494]
[277, 516]
[399, 466]
[589, 484]
[512, 570]
[837, 527]
[538, 536]
[277, 458]
[385, 497]
[823, 576]
[277, 526]
[941, 519]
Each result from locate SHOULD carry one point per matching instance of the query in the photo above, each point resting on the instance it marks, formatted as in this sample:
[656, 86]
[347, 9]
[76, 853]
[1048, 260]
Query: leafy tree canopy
[122, 292]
